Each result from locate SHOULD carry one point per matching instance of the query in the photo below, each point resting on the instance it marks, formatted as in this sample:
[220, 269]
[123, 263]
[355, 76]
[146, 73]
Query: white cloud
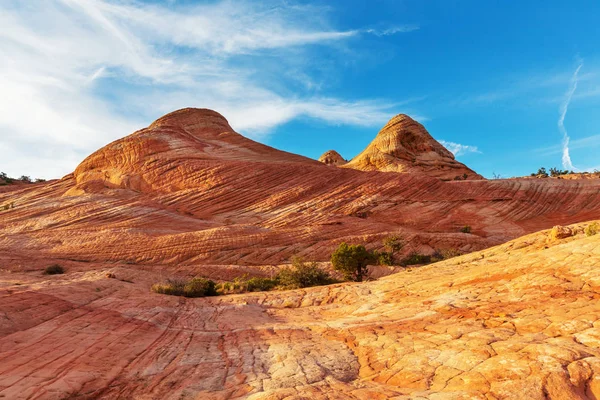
[77, 74]
[566, 158]
[459, 149]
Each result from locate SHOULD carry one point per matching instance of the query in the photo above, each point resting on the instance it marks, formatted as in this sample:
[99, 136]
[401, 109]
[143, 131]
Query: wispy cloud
[459, 149]
[566, 158]
[77, 74]
[393, 30]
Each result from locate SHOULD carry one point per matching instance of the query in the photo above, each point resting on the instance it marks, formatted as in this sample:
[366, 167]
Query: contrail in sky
[566, 158]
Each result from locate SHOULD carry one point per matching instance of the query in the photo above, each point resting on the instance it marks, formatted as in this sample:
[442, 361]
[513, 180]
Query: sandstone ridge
[332, 157]
[189, 192]
[518, 321]
[404, 145]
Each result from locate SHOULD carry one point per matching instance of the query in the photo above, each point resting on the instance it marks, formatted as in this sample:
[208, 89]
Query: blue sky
[491, 79]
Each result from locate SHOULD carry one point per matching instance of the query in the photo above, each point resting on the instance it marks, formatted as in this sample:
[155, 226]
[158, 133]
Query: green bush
[384, 258]
[260, 284]
[393, 244]
[196, 287]
[466, 229]
[352, 261]
[54, 269]
[200, 287]
[416, 258]
[592, 229]
[302, 275]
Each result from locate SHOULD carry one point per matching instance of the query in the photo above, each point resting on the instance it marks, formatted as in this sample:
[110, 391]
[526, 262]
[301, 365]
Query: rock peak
[332, 157]
[404, 145]
[193, 119]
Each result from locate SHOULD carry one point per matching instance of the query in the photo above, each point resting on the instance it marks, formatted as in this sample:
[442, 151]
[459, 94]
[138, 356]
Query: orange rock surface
[188, 191]
[189, 196]
[404, 145]
[517, 321]
[332, 157]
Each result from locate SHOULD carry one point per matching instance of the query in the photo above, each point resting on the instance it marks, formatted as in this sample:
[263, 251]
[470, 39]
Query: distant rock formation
[188, 190]
[332, 157]
[404, 145]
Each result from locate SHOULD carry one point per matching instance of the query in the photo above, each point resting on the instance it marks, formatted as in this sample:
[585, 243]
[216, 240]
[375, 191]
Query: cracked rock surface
[516, 321]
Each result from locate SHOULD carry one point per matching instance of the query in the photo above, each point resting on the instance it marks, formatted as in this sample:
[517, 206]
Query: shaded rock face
[332, 157]
[517, 321]
[404, 145]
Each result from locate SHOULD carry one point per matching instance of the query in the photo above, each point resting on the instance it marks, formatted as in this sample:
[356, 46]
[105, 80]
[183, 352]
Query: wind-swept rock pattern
[404, 145]
[517, 321]
[188, 196]
[191, 192]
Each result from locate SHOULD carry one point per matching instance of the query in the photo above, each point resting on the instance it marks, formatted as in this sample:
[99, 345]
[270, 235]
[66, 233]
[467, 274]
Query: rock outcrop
[404, 145]
[517, 321]
[332, 157]
[189, 192]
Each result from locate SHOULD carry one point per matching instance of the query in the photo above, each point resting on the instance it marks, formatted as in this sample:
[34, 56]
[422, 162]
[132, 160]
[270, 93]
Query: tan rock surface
[332, 157]
[404, 145]
[517, 321]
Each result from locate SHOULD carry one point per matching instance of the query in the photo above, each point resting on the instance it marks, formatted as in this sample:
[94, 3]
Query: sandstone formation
[404, 145]
[189, 193]
[187, 196]
[517, 321]
[332, 157]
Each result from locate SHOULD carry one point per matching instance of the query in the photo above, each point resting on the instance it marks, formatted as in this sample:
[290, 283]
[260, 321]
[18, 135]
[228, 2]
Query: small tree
[393, 244]
[352, 261]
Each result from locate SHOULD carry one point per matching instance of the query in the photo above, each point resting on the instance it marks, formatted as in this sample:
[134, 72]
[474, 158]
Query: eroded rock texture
[517, 321]
[190, 192]
[404, 145]
[332, 157]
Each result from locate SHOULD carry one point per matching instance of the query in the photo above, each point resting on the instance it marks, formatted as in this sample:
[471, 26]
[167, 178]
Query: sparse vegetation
[415, 258]
[592, 229]
[554, 172]
[7, 180]
[54, 269]
[302, 274]
[466, 229]
[352, 261]
[196, 287]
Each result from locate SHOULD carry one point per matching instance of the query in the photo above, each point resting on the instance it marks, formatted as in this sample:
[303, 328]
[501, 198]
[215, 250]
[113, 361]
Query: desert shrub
[196, 287]
[416, 258]
[384, 258]
[54, 269]
[257, 284]
[5, 178]
[466, 229]
[592, 229]
[199, 287]
[25, 178]
[444, 254]
[557, 172]
[541, 173]
[450, 253]
[352, 261]
[302, 274]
